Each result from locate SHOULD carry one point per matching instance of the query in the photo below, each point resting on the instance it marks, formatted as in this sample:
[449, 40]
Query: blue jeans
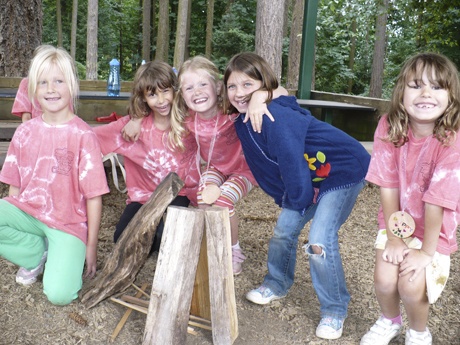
[326, 268]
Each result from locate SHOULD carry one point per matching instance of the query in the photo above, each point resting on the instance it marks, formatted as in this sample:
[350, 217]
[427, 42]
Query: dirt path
[27, 318]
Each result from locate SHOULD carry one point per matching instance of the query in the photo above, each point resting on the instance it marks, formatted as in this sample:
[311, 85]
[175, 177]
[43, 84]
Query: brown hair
[446, 76]
[255, 67]
[151, 76]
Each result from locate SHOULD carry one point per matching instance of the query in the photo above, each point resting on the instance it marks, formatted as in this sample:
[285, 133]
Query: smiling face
[199, 92]
[52, 92]
[425, 101]
[160, 101]
[239, 90]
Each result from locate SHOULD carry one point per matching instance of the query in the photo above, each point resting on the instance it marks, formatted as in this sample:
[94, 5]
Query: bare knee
[315, 249]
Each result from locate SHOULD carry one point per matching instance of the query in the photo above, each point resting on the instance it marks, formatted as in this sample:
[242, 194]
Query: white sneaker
[329, 328]
[26, 277]
[381, 332]
[418, 338]
[262, 295]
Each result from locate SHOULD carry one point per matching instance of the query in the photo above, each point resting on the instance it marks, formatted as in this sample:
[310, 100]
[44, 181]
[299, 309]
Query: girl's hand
[394, 251]
[132, 130]
[91, 262]
[415, 260]
[257, 109]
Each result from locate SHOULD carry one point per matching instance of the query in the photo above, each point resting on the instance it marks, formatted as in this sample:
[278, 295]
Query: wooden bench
[327, 107]
[91, 104]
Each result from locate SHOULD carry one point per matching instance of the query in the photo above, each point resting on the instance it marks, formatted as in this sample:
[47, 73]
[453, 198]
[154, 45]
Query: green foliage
[235, 32]
[413, 26]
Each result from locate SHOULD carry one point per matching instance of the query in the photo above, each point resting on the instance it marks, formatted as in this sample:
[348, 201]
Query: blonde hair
[446, 76]
[255, 67]
[197, 63]
[45, 57]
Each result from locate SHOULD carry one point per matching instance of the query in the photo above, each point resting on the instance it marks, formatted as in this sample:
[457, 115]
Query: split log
[224, 318]
[200, 305]
[133, 247]
[172, 287]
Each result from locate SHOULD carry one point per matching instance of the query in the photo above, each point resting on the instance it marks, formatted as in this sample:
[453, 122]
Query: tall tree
[20, 34]
[375, 89]
[163, 31]
[182, 30]
[73, 33]
[91, 40]
[59, 22]
[209, 28]
[269, 32]
[146, 30]
[295, 45]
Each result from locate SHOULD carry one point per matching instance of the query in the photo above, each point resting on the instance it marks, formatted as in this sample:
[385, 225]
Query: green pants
[22, 241]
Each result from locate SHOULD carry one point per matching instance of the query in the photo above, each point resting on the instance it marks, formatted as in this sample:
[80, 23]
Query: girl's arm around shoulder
[132, 130]
[94, 210]
[258, 107]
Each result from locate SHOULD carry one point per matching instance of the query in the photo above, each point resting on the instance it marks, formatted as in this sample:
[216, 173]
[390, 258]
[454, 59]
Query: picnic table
[327, 107]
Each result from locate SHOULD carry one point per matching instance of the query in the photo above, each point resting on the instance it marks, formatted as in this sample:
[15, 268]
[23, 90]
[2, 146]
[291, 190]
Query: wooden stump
[172, 286]
[221, 285]
[133, 247]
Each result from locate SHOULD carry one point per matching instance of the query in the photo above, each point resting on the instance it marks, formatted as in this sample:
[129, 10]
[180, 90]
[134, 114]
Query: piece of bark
[133, 247]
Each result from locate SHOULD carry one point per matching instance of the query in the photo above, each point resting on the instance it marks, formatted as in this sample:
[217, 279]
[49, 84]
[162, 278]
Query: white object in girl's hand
[401, 224]
[210, 194]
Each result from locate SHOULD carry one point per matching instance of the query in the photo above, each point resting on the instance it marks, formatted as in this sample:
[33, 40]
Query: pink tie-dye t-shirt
[149, 159]
[22, 103]
[431, 174]
[56, 168]
[225, 154]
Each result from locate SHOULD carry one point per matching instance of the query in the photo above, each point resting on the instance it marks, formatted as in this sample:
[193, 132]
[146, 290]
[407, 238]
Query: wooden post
[133, 247]
[221, 285]
[172, 287]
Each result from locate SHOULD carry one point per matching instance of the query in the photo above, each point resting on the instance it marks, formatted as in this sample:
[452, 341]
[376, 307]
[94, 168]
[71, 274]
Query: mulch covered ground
[26, 317]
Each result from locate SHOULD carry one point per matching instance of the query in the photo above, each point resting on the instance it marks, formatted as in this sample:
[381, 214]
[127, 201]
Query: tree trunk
[59, 23]
[73, 34]
[375, 89]
[20, 33]
[163, 31]
[351, 61]
[146, 30]
[91, 40]
[295, 45]
[181, 32]
[209, 28]
[153, 31]
[269, 32]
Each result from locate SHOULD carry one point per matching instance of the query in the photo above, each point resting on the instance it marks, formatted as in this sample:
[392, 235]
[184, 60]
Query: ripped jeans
[326, 268]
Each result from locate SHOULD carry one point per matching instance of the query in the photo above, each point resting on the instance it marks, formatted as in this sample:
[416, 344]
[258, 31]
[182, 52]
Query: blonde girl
[50, 219]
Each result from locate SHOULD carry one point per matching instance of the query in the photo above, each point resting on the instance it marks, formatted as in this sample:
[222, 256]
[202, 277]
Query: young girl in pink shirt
[56, 177]
[225, 176]
[416, 164]
[154, 154]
